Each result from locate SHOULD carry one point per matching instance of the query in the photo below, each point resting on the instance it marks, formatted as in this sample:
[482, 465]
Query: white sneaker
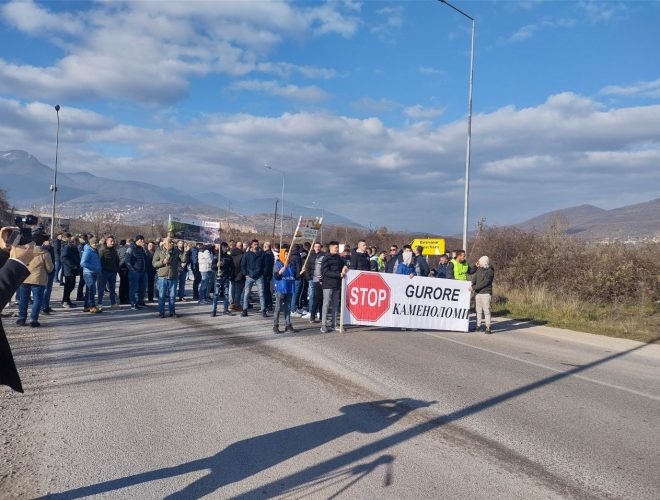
[304, 314]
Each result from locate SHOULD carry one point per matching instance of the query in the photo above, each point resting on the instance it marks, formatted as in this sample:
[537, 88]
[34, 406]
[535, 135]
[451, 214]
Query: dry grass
[538, 304]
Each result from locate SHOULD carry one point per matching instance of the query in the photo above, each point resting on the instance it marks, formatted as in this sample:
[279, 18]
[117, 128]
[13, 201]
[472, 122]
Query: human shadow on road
[251, 456]
[248, 457]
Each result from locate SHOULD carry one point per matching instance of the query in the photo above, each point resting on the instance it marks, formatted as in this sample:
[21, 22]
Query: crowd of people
[302, 279]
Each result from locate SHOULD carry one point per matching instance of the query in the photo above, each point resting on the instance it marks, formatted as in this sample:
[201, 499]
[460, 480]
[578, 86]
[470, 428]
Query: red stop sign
[368, 297]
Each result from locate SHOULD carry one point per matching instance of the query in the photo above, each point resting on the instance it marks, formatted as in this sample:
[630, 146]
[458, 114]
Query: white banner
[394, 300]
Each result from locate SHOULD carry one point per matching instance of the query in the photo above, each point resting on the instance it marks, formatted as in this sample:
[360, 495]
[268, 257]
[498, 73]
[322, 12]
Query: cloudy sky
[362, 104]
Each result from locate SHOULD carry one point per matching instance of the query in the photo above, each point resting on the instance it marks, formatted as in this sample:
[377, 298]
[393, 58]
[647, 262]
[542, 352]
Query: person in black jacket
[238, 281]
[253, 267]
[109, 269]
[360, 258]
[332, 272]
[482, 286]
[296, 265]
[149, 253]
[269, 264]
[123, 271]
[14, 261]
[57, 247]
[135, 260]
[393, 261]
[224, 272]
[70, 259]
[82, 288]
[308, 274]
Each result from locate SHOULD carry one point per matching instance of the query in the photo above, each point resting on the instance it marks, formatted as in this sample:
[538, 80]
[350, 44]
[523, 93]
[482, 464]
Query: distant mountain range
[27, 184]
[636, 222]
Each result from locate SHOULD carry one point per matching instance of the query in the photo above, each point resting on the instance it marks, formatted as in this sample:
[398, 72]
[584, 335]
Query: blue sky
[363, 103]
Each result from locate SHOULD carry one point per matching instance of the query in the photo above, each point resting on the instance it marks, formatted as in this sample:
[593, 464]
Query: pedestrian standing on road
[194, 268]
[57, 248]
[70, 268]
[296, 263]
[45, 306]
[14, 268]
[308, 273]
[109, 269]
[137, 272]
[482, 286]
[407, 264]
[285, 285]
[167, 260]
[360, 258]
[333, 269]
[254, 268]
[205, 261]
[35, 284]
[269, 263]
[421, 266]
[151, 272]
[183, 273]
[91, 266]
[238, 282]
[459, 268]
[223, 274]
[123, 271]
[393, 259]
[82, 292]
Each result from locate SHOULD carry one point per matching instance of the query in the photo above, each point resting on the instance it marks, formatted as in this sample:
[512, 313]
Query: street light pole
[53, 188]
[282, 207]
[469, 128]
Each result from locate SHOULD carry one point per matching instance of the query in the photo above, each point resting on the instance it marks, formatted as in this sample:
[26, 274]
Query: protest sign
[432, 246]
[183, 228]
[308, 228]
[394, 300]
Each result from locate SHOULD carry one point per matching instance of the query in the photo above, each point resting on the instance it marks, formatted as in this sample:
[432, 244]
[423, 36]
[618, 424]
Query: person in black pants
[194, 267]
[14, 270]
[269, 264]
[151, 271]
[70, 259]
[123, 272]
[82, 288]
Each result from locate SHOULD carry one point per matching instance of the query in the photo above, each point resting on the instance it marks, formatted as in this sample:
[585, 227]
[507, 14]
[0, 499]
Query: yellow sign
[435, 246]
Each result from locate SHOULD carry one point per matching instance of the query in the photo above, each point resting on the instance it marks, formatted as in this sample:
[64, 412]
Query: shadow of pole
[319, 470]
[250, 456]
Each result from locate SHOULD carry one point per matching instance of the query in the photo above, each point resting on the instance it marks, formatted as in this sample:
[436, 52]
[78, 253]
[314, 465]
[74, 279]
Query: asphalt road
[132, 406]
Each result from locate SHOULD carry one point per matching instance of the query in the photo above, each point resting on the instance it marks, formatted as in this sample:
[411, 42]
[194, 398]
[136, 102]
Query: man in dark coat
[14, 262]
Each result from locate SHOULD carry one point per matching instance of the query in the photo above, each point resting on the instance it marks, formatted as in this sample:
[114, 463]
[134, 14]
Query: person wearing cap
[135, 260]
[40, 267]
[482, 286]
[91, 271]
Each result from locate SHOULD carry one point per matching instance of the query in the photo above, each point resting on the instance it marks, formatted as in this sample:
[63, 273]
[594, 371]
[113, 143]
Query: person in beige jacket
[40, 267]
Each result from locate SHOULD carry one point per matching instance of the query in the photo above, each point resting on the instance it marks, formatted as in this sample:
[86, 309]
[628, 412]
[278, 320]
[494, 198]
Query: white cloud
[638, 89]
[370, 105]
[427, 70]
[565, 151]
[391, 21]
[420, 112]
[289, 91]
[149, 51]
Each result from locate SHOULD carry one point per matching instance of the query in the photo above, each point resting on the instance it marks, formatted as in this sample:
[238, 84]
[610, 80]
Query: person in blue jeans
[285, 284]
[40, 267]
[166, 261]
[135, 260]
[296, 263]
[223, 275]
[91, 270]
[253, 267]
[109, 269]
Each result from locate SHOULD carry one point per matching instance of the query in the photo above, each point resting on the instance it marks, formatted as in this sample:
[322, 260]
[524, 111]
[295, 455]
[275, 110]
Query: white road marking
[539, 365]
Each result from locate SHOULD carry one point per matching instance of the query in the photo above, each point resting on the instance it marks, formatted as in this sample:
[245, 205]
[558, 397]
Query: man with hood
[482, 285]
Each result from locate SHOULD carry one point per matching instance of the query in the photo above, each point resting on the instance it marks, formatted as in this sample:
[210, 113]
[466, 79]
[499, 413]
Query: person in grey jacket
[482, 286]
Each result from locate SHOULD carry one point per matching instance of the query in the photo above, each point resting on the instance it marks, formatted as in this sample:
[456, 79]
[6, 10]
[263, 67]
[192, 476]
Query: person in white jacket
[205, 262]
